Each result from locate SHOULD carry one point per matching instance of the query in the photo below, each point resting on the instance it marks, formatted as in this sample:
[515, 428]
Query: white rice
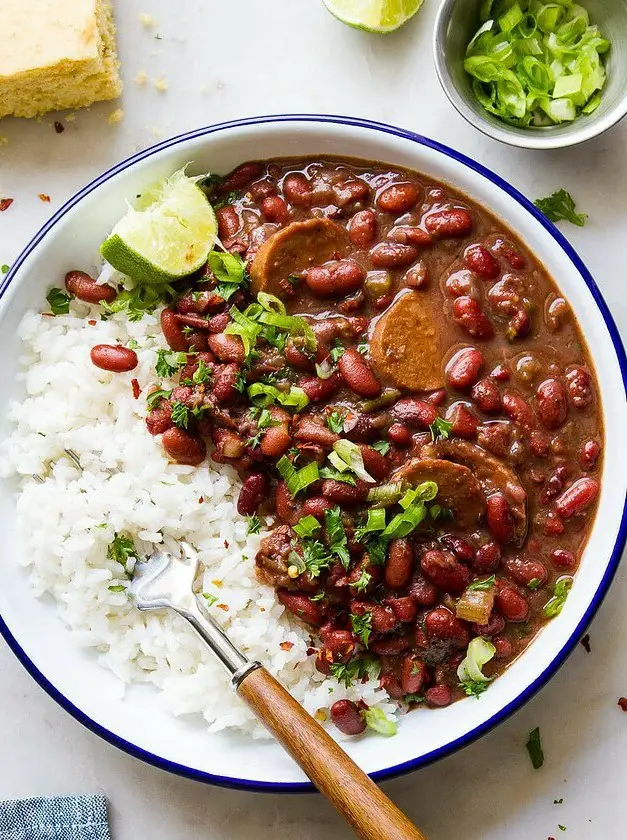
[128, 485]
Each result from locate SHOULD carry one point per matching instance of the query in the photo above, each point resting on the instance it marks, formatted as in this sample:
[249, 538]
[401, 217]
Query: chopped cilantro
[154, 398]
[180, 415]
[554, 606]
[202, 373]
[169, 362]
[121, 549]
[240, 381]
[362, 627]
[534, 583]
[561, 827]
[534, 748]
[254, 524]
[336, 535]
[355, 670]
[413, 698]
[315, 557]
[440, 428]
[229, 198]
[362, 582]
[318, 597]
[381, 446]
[118, 587]
[58, 301]
[336, 351]
[335, 421]
[474, 688]
[210, 599]
[561, 207]
[136, 302]
[482, 585]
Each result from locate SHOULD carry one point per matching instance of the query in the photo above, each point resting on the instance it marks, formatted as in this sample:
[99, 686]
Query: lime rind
[167, 236]
[381, 16]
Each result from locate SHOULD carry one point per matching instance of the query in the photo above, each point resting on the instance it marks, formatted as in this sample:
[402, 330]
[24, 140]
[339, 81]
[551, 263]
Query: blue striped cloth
[55, 818]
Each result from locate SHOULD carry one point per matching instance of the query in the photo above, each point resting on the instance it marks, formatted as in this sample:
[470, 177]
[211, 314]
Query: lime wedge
[166, 236]
[374, 15]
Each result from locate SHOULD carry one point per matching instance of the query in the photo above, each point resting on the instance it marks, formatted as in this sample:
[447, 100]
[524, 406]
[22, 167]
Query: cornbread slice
[56, 54]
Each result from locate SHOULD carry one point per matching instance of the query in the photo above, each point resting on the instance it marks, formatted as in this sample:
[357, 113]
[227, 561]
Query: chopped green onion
[229, 270]
[335, 421]
[307, 526]
[336, 475]
[297, 480]
[154, 398]
[377, 719]
[555, 605]
[382, 446]
[350, 454]
[480, 652]
[244, 327]
[325, 369]
[264, 395]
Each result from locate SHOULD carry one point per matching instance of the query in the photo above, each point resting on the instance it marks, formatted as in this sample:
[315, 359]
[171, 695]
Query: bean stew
[406, 393]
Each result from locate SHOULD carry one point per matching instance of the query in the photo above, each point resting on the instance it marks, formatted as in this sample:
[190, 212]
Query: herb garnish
[534, 748]
[336, 535]
[230, 272]
[381, 446]
[335, 421]
[58, 301]
[356, 669]
[561, 207]
[155, 397]
[362, 626]
[482, 585]
[336, 351]
[474, 688]
[253, 524]
[202, 373]
[554, 606]
[363, 581]
[169, 362]
[138, 301]
[121, 549]
[180, 415]
[210, 599]
[440, 428]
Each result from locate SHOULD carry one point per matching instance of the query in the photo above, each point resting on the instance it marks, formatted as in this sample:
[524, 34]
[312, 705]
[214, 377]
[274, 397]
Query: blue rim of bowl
[621, 537]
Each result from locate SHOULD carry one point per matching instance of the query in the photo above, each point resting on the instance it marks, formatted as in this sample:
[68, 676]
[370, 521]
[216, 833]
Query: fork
[166, 582]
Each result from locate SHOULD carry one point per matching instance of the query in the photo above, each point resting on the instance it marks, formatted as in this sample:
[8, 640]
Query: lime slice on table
[374, 15]
[166, 236]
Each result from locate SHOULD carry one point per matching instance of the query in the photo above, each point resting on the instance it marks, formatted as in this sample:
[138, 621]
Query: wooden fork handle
[357, 798]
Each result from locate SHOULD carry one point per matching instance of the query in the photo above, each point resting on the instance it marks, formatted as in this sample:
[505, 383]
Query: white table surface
[223, 59]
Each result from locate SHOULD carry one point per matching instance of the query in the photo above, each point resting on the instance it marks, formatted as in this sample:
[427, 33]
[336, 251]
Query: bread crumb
[146, 20]
[161, 84]
[44, 197]
[115, 116]
[4, 141]
[141, 78]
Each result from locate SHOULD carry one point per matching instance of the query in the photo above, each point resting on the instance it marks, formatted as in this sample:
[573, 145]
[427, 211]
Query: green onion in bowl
[537, 64]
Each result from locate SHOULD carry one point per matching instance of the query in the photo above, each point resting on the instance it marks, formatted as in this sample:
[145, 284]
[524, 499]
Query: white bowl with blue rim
[137, 722]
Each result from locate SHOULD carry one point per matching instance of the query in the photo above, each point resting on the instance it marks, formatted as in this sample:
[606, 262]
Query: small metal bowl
[456, 23]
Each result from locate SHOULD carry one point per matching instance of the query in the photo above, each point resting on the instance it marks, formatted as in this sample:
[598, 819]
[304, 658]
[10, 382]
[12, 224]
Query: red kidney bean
[524, 571]
[460, 284]
[504, 647]
[240, 177]
[85, 288]
[513, 257]
[183, 447]
[424, 593]
[275, 209]
[518, 410]
[358, 375]
[344, 494]
[218, 323]
[312, 432]
[462, 371]
[297, 189]
[160, 418]
[114, 358]
[393, 255]
[414, 412]
[442, 624]
[405, 609]
[416, 277]
[335, 278]
[228, 222]
[580, 390]
[495, 625]
[224, 383]
[351, 192]
[487, 559]
[399, 564]
[362, 229]
[477, 258]
[510, 603]
[383, 619]
[398, 198]
[390, 683]
[563, 559]
[172, 331]
[341, 644]
[302, 606]
[375, 463]
[454, 223]
[347, 717]
[438, 695]
[465, 423]
[499, 518]
[253, 491]
[262, 189]
[287, 508]
[518, 325]
[200, 303]
[406, 235]
[197, 341]
[324, 660]
[436, 398]
[228, 348]
[539, 444]
[495, 437]
[399, 434]
[468, 314]
[554, 484]
[577, 498]
[228, 445]
[413, 674]
[552, 405]
[276, 441]
[486, 394]
[316, 506]
[589, 452]
[320, 389]
[459, 546]
[296, 358]
[444, 571]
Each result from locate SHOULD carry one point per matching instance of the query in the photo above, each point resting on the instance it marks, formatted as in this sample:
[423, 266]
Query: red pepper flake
[5, 203]
[44, 197]
[585, 643]
[226, 543]
[286, 645]
[622, 702]
[59, 127]
[223, 607]
[136, 389]
[92, 322]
